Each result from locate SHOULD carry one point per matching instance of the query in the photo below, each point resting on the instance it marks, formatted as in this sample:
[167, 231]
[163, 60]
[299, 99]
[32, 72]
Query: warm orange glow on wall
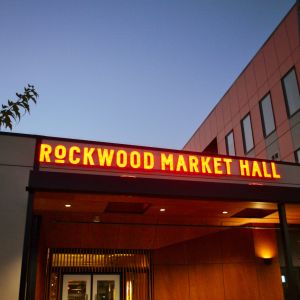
[129, 290]
[265, 243]
[115, 157]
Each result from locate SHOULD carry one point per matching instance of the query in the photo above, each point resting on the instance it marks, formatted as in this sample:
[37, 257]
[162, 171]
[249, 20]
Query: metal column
[291, 275]
[29, 260]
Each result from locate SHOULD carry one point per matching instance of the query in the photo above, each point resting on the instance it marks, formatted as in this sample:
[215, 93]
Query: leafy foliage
[14, 110]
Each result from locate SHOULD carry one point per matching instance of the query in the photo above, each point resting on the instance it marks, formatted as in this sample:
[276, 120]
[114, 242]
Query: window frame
[262, 117]
[293, 69]
[226, 142]
[297, 157]
[243, 133]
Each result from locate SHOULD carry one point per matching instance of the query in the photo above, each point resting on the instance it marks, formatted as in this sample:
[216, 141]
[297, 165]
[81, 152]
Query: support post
[293, 291]
[29, 261]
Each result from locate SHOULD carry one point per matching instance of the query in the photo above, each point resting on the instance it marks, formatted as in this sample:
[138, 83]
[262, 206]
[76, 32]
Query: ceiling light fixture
[68, 205]
[162, 210]
[96, 219]
[224, 212]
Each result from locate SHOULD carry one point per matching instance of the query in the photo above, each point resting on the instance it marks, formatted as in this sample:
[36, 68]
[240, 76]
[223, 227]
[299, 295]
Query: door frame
[76, 276]
[110, 276]
[91, 276]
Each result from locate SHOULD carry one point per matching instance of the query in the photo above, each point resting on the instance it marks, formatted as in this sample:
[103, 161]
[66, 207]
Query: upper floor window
[230, 148]
[297, 156]
[247, 133]
[291, 92]
[267, 116]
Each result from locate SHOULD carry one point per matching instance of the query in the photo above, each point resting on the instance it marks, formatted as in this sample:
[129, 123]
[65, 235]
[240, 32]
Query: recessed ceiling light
[224, 212]
[67, 205]
[162, 210]
[96, 219]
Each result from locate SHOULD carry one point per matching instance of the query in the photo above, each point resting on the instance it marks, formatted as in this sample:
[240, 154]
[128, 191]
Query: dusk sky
[144, 72]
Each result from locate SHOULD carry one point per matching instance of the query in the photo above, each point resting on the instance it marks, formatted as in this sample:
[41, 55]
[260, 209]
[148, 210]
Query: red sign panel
[103, 157]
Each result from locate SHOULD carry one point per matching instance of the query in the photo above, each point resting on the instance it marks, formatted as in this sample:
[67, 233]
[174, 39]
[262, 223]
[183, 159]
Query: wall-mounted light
[265, 244]
[96, 219]
[267, 261]
[162, 210]
[67, 205]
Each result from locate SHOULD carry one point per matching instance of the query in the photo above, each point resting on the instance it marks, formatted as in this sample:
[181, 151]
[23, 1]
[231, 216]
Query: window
[267, 116]
[291, 92]
[230, 143]
[297, 155]
[247, 134]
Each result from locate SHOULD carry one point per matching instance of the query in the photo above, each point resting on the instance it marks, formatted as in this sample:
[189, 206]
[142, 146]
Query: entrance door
[106, 287]
[78, 287]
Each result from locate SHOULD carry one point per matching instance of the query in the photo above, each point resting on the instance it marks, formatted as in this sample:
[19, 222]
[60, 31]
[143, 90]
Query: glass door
[106, 274]
[106, 287]
[76, 287]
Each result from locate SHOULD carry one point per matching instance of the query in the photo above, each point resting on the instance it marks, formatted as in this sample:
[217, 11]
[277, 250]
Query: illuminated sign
[103, 157]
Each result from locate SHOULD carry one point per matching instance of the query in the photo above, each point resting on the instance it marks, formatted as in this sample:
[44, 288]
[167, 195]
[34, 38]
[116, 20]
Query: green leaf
[13, 108]
[16, 111]
[26, 106]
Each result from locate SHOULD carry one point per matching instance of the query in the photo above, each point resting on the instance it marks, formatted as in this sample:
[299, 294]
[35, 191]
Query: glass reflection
[105, 289]
[77, 290]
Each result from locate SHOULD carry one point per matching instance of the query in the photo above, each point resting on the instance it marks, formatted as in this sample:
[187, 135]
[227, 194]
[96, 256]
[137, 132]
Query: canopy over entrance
[184, 209]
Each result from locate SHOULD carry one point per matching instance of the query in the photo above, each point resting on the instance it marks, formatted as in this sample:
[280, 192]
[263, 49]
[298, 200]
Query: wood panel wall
[217, 266]
[220, 266]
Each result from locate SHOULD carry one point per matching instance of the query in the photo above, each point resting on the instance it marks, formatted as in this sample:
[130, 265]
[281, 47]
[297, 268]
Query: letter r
[45, 151]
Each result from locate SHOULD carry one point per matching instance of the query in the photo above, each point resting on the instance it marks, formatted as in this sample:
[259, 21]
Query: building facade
[259, 116]
[219, 220]
[90, 220]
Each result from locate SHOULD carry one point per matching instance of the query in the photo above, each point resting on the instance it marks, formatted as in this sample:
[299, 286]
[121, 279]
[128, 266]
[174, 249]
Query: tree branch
[12, 111]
